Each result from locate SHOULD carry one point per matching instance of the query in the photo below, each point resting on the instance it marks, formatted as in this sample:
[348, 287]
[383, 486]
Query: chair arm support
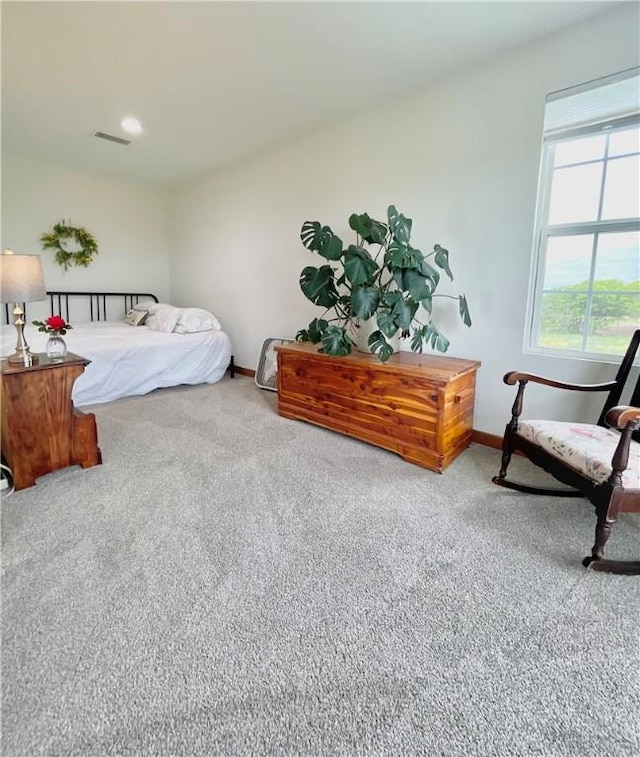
[514, 376]
[622, 416]
[627, 419]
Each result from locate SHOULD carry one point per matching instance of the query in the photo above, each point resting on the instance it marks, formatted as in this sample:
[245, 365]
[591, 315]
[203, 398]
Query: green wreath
[61, 233]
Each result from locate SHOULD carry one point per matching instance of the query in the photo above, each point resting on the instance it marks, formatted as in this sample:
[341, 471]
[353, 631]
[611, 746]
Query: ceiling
[215, 82]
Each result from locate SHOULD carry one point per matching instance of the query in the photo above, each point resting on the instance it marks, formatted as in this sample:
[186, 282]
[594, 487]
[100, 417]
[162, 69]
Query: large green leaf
[332, 248]
[321, 239]
[335, 341]
[314, 236]
[400, 225]
[442, 261]
[438, 341]
[464, 310]
[313, 332]
[389, 299]
[364, 301]
[401, 310]
[317, 327]
[398, 277]
[372, 231]
[359, 266]
[379, 346]
[400, 255]
[387, 323]
[416, 257]
[415, 283]
[418, 337]
[430, 273]
[318, 285]
[397, 255]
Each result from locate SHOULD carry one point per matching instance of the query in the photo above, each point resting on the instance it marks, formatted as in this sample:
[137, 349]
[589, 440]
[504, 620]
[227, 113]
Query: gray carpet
[229, 582]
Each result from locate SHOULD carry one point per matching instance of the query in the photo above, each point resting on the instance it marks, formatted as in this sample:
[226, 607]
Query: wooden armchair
[598, 463]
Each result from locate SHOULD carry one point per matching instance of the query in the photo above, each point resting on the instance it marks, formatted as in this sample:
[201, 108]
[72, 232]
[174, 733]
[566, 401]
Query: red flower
[56, 322]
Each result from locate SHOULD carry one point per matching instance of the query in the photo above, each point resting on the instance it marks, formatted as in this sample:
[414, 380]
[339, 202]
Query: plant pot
[365, 329]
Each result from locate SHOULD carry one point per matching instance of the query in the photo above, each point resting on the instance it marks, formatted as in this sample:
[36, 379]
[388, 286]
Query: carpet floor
[230, 582]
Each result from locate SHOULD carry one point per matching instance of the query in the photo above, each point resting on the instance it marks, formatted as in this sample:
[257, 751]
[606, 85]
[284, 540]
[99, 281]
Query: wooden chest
[420, 406]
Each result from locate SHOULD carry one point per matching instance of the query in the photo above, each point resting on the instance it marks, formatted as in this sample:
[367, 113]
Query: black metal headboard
[99, 303]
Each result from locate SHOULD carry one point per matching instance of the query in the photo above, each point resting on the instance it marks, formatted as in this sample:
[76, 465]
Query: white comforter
[128, 360]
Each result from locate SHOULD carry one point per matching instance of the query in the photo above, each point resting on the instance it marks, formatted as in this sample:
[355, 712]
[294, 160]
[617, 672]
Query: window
[585, 292]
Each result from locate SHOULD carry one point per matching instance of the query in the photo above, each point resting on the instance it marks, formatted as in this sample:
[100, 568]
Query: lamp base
[24, 357]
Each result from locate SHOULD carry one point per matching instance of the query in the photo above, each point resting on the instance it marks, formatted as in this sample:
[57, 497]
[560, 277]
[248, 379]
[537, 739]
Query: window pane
[614, 317]
[624, 142]
[568, 262]
[575, 194]
[579, 150]
[586, 264]
[618, 258]
[561, 319]
[622, 188]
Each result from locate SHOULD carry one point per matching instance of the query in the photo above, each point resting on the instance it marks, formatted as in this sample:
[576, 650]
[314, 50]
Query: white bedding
[133, 360]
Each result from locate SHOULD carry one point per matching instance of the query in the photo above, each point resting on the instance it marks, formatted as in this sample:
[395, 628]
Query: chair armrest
[622, 415]
[513, 377]
[627, 420]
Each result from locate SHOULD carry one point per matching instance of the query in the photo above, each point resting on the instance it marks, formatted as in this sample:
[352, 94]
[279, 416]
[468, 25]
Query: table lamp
[21, 280]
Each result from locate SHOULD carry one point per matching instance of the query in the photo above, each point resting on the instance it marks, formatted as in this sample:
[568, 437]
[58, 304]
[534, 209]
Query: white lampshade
[21, 278]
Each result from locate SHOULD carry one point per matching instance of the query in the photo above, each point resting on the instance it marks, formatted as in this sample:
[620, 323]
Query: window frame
[543, 231]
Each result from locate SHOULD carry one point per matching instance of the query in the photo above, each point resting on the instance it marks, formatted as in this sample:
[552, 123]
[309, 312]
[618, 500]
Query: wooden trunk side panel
[428, 422]
[389, 406]
[457, 415]
[419, 454]
[362, 414]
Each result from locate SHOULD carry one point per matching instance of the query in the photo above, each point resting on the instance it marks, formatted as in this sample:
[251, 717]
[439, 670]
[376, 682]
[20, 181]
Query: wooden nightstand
[41, 429]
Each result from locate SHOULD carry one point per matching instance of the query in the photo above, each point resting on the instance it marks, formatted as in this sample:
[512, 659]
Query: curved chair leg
[596, 561]
[603, 532]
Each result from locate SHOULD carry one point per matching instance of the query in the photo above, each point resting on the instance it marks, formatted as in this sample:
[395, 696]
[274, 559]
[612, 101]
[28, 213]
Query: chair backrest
[622, 375]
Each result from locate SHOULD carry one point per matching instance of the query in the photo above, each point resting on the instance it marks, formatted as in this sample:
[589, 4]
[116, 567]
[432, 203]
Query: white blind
[599, 100]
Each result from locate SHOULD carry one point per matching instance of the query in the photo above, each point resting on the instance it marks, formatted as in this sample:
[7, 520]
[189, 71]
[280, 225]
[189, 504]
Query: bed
[130, 359]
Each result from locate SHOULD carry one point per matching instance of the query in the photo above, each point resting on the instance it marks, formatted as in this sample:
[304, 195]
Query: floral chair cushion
[583, 446]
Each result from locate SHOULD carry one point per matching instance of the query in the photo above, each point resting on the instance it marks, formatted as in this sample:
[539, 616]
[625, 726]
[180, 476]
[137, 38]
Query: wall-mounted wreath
[61, 235]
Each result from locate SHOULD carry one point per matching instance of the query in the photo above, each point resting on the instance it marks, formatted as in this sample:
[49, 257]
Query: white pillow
[143, 305]
[163, 318]
[135, 317]
[191, 320]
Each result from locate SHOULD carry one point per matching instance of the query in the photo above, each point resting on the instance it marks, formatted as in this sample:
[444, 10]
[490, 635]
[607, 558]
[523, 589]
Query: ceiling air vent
[111, 138]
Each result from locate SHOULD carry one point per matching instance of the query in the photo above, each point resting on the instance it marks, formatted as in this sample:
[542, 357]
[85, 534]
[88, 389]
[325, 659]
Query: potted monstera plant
[380, 277]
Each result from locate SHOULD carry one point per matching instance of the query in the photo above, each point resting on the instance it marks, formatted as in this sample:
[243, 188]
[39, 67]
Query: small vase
[56, 347]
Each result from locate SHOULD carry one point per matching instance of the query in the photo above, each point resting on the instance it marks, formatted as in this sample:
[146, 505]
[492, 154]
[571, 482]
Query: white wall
[461, 159]
[129, 221]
